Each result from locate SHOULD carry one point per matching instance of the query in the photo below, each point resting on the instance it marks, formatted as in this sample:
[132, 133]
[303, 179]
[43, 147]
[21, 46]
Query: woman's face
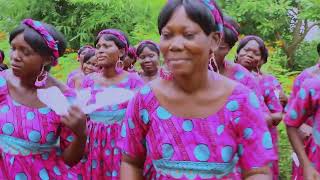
[82, 54]
[128, 61]
[184, 45]
[250, 55]
[90, 66]
[149, 60]
[107, 53]
[221, 52]
[25, 62]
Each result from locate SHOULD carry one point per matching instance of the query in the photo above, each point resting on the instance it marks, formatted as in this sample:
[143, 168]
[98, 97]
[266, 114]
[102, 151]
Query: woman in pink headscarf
[102, 160]
[192, 123]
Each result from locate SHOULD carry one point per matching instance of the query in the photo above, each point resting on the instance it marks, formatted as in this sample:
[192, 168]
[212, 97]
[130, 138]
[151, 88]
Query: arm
[263, 173]
[76, 121]
[303, 102]
[131, 169]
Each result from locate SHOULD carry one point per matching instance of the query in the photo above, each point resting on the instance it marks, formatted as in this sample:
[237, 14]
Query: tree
[283, 23]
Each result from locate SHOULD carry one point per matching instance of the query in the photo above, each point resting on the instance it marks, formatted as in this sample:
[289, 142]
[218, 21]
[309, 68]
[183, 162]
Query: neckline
[13, 101]
[219, 110]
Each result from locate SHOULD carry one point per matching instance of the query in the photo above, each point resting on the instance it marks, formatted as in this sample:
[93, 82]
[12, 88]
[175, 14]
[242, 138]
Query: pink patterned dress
[193, 148]
[70, 79]
[269, 84]
[103, 157]
[304, 75]
[303, 106]
[29, 139]
[240, 74]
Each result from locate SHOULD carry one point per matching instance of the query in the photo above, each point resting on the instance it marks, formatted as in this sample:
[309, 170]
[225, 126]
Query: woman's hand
[310, 173]
[76, 120]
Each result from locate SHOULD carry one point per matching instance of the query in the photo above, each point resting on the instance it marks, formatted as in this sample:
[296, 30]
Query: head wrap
[229, 26]
[132, 52]
[118, 35]
[82, 49]
[47, 37]
[216, 13]
[149, 42]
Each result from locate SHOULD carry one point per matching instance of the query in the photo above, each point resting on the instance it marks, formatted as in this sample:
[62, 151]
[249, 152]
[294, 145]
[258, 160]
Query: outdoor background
[289, 27]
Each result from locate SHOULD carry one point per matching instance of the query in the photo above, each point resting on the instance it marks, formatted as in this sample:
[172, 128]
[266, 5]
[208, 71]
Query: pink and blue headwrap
[118, 35]
[149, 42]
[132, 52]
[229, 26]
[82, 49]
[216, 13]
[47, 37]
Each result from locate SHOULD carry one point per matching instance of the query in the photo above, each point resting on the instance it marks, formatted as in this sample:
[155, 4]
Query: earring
[44, 75]
[131, 69]
[165, 73]
[213, 60]
[119, 66]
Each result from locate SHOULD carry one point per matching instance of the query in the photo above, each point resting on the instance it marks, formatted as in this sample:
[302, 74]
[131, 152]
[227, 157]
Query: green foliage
[81, 20]
[306, 55]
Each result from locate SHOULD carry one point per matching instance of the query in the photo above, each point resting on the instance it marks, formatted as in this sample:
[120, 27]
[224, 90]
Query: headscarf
[47, 37]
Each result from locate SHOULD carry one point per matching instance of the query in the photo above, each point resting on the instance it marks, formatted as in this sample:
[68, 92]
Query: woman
[303, 108]
[191, 144]
[81, 53]
[148, 53]
[89, 65]
[2, 65]
[232, 70]
[273, 82]
[250, 52]
[305, 130]
[130, 60]
[103, 157]
[30, 130]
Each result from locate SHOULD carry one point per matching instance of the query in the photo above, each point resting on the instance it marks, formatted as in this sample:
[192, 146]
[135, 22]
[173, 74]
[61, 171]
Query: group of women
[198, 116]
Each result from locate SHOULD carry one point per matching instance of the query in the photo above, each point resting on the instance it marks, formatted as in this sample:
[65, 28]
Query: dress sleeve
[87, 82]
[303, 105]
[135, 126]
[271, 100]
[255, 147]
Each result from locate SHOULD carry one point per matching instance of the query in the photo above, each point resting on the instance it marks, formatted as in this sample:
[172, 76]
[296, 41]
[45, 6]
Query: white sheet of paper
[108, 97]
[54, 99]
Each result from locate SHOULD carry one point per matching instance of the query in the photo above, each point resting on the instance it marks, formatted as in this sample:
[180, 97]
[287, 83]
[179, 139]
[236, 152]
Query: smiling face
[149, 61]
[90, 66]
[250, 55]
[25, 62]
[107, 53]
[184, 45]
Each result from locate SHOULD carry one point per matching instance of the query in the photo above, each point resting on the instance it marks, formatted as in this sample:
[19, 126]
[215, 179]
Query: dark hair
[89, 54]
[2, 56]
[36, 41]
[318, 49]
[195, 10]
[230, 37]
[151, 46]
[262, 46]
[118, 42]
